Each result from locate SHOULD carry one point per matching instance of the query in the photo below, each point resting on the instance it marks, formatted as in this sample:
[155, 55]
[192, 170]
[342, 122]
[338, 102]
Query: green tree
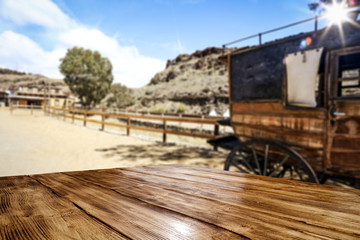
[121, 96]
[87, 74]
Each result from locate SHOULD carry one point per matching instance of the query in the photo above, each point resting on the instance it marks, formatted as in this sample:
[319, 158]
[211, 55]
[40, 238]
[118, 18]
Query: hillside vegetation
[191, 83]
[195, 83]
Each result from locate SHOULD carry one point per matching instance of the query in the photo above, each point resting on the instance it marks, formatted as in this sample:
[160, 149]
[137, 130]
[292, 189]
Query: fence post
[85, 115]
[102, 122]
[202, 125]
[164, 131]
[73, 117]
[216, 133]
[128, 126]
[11, 108]
[64, 114]
[31, 109]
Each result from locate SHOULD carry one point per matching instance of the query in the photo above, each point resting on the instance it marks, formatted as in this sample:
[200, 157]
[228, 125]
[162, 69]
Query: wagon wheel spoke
[269, 158]
[282, 172]
[279, 166]
[266, 158]
[248, 166]
[299, 173]
[256, 159]
[239, 168]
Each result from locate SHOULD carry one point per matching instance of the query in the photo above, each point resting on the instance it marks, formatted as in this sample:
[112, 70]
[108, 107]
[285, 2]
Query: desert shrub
[161, 109]
[121, 96]
[181, 109]
[149, 90]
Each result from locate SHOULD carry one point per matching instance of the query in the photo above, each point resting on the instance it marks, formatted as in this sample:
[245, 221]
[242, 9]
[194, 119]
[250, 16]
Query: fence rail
[73, 114]
[21, 106]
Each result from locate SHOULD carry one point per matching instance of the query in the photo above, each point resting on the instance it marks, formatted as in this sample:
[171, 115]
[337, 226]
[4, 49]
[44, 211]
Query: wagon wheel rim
[269, 158]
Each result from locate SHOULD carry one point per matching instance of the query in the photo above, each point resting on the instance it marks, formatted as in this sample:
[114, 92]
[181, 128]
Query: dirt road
[36, 143]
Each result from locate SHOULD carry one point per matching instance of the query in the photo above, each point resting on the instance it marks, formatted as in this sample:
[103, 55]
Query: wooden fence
[28, 107]
[73, 114]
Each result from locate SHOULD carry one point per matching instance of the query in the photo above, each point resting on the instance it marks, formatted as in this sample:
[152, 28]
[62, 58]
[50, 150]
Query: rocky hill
[13, 80]
[191, 83]
[196, 83]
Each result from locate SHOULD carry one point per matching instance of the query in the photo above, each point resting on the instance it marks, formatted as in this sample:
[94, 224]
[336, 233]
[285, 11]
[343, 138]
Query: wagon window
[348, 79]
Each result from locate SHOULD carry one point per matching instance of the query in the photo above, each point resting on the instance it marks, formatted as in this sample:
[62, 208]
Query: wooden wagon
[295, 106]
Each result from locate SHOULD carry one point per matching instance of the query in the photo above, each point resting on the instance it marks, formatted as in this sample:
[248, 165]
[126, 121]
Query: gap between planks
[150, 203]
[81, 209]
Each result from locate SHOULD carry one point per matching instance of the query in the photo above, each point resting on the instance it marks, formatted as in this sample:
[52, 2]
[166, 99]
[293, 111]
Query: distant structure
[38, 96]
[3, 98]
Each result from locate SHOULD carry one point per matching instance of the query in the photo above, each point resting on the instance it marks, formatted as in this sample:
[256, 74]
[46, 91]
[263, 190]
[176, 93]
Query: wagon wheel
[269, 158]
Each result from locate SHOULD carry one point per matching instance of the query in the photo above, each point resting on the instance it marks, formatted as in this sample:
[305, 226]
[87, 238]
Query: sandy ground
[32, 144]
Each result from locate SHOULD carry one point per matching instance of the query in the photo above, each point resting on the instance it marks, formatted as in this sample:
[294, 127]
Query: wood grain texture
[302, 129]
[129, 215]
[31, 211]
[344, 138]
[174, 202]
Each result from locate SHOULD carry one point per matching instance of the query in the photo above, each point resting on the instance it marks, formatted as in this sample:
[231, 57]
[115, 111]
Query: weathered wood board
[304, 130]
[173, 202]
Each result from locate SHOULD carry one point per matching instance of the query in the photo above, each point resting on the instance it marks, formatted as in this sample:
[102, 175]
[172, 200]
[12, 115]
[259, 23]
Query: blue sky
[138, 36]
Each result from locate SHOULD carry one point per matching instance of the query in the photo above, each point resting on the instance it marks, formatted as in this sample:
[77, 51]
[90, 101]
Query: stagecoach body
[301, 92]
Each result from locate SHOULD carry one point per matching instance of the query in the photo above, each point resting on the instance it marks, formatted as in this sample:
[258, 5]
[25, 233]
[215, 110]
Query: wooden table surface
[173, 202]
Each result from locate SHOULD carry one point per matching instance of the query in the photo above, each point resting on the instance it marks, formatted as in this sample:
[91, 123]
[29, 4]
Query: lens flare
[337, 12]
[305, 43]
[352, 3]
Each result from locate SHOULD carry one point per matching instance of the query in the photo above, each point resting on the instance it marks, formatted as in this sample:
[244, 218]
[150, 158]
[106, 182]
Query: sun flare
[337, 13]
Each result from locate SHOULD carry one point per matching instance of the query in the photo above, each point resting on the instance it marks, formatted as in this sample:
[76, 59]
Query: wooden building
[38, 96]
[3, 98]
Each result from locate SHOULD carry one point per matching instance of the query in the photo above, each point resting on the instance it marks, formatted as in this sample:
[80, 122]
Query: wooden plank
[133, 116]
[269, 120]
[207, 202]
[288, 139]
[115, 124]
[93, 121]
[348, 125]
[31, 211]
[346, 141]
[282, 130]
[276, 109]
[190, 134]
[352, 108]
[298, 191]
[260, 182]
[345, 160]
[135, 218]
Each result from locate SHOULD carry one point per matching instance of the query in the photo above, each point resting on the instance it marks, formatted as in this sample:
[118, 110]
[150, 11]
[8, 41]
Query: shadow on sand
[160, 153]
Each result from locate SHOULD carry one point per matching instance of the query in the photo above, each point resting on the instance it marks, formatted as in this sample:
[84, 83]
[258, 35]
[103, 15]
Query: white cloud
[39, 12]
[20, 52]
